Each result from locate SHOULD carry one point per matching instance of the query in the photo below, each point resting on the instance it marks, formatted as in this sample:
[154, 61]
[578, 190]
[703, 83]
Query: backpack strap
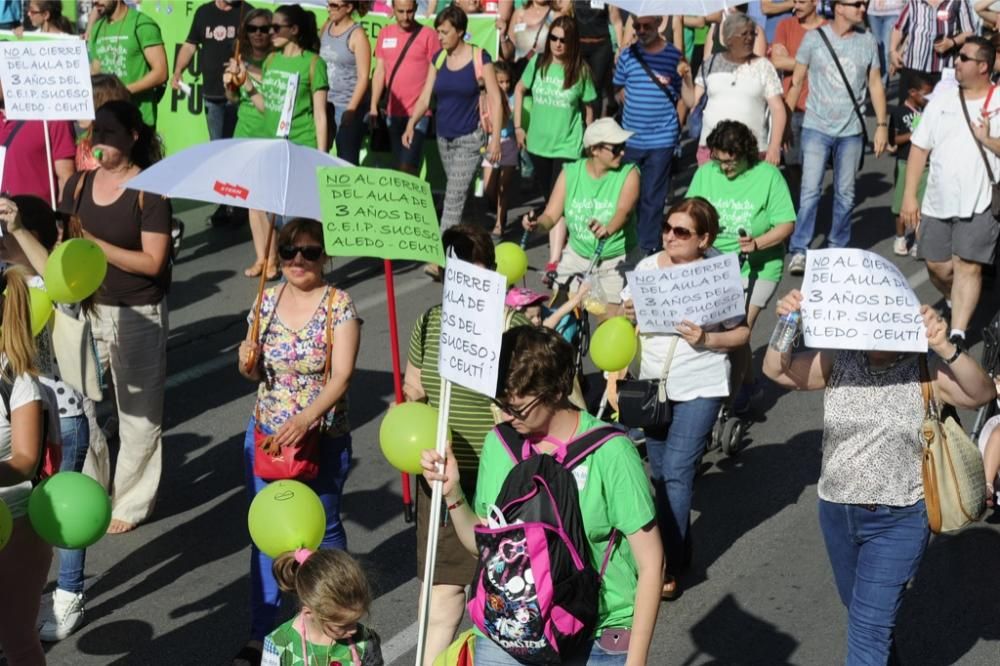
[575, 452]
[511, 440]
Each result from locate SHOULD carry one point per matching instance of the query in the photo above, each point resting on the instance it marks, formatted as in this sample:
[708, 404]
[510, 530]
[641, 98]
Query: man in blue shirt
[10, 15]
[648, 85]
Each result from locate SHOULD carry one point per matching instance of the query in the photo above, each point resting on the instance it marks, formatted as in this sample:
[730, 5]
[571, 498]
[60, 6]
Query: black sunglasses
[336, 5]
[519, 413]
[966, 58]
[252, 29]
[680, 233]
[854, 4]
[308, 252]
[555, 38]
[615, 148]
[278, 27]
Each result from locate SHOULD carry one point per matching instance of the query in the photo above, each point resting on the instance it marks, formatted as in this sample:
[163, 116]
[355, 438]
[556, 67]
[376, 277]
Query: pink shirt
[409, 80]
[25, 170]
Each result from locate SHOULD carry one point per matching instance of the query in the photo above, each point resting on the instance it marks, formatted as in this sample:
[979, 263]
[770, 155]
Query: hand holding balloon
[406, 430]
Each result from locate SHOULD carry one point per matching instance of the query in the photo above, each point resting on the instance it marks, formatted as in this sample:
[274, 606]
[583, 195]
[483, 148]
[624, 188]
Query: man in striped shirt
[648, 86]
[927, 37]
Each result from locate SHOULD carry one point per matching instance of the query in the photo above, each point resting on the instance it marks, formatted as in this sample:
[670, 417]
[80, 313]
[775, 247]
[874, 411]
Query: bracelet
[459, 502]
[954, 357]
[884, 124]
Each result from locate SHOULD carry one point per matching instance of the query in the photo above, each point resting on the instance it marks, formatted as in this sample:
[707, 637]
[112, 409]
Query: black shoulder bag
[994, 186]
[850, 91]
[643, 403]
[637, 54]
[380, 142]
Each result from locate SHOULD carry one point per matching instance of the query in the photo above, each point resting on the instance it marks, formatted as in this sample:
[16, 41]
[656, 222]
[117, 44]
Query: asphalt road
[175, 591]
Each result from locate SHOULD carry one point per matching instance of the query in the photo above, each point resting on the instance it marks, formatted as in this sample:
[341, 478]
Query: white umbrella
[642, 8]
[272, 175]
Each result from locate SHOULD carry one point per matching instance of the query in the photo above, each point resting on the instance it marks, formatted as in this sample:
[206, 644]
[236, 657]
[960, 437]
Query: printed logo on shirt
[220, 33]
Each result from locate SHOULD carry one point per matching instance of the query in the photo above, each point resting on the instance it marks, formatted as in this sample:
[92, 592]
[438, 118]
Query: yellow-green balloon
[613, 344]
[70, 510]
[41, 309]
[285, 516]
[512, 262]
[75, 270]
[6, 524]
[406, 430]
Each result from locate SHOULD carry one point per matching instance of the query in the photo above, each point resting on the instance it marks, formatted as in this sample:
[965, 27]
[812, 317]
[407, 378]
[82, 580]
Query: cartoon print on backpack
[513, 599]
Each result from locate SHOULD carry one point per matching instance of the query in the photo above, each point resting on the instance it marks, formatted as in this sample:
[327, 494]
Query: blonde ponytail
[17, 346]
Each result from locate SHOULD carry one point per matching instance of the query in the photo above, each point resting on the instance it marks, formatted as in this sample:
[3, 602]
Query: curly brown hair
[735, 138]
[536, 361]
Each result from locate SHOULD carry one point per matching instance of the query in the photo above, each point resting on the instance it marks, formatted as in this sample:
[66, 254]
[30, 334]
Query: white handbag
[76, 353]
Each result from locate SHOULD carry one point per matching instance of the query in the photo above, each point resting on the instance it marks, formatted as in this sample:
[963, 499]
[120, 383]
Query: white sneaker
[66, 617]
[899, 246]
[913, 251]
[797, 266]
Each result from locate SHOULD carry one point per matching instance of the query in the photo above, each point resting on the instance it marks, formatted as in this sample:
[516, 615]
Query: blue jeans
[489, 653]
[347, 137]
[654, 169]
[75, 432]
[874, 552]
[882, 32]
[334, 464]
[816, 150]
[673, 462]
[221, 118]
[415, 153]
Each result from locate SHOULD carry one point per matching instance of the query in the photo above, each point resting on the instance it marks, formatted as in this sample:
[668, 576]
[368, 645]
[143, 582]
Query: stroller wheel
[732, 435]
[715, 441]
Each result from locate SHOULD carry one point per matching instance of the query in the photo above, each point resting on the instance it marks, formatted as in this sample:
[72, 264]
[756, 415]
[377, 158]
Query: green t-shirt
[556, 128]
[249, 121]
[589, 199]
[312, 77]
[757, 200]
[283, 647]
[614, 494]
[470, 416]
[120, 48]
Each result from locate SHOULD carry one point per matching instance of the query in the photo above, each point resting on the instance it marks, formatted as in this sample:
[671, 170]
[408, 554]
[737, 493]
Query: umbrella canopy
[642, 8]
[272, 175]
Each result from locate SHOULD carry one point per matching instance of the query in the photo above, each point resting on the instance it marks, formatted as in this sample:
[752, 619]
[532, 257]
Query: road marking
[918, 278]
[200, 370]
[400, 644]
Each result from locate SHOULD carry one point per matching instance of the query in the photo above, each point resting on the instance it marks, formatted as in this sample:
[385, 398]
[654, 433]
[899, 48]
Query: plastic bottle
[784, 333]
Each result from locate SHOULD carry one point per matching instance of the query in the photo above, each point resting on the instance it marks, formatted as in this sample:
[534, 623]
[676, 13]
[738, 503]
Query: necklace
[884, 369]
[307, 650]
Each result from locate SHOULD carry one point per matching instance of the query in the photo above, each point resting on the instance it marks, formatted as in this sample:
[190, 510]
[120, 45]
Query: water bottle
[784, 332]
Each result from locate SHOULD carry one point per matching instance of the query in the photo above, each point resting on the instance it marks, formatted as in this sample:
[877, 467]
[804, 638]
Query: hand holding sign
[855, 299]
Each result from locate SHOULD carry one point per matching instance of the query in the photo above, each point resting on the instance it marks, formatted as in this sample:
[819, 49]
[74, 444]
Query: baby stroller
[990, 363]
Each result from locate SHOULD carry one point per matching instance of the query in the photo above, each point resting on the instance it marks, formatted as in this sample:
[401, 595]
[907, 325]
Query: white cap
[605, 130]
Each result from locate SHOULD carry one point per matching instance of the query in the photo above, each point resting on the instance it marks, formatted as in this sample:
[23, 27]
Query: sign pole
[437, 491]
[397, 375]
[50, 167]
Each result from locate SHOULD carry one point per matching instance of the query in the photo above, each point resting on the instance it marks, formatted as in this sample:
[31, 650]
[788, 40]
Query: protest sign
[702, 292]
[46, 80]
[471, 326]
[378, 213]
[854, 299]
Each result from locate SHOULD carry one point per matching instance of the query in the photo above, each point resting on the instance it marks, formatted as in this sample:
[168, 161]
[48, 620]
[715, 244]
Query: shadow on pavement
[727, 634]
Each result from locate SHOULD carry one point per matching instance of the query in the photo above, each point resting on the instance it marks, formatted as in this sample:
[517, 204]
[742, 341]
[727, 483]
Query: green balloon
[613, 344]
[70, 510]
[41, 309]
[512, 262]
[6, 524]
[406, 430]
[75, 270]
[285, 516]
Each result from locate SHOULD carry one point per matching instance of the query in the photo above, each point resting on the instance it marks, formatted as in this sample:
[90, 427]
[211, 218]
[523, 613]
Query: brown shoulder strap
[328, 366]
[926, 388]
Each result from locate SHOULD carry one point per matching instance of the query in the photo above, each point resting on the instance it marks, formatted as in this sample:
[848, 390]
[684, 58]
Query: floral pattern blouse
[293, 362]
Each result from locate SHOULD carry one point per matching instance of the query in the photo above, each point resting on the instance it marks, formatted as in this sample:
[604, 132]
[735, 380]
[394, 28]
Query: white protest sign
[288, 107]
[854, 299]
[703, 292]
[47, 80]
[471, 326]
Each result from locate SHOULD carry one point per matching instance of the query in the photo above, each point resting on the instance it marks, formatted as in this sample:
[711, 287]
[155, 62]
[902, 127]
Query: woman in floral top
[291, 349]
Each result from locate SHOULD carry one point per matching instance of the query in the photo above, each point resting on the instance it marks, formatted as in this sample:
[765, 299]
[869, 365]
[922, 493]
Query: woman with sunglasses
[536, 381]
[597, 195]
[296, 44]
[756, 217]
[255, 47]
[292, 351]
[24, 557]
[741, 86]
[562, 91]
[697, 382]
[347, 52]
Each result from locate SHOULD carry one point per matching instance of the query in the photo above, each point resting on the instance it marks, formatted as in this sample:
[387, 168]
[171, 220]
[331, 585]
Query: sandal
[671, 590]
[272, 271]
[255, 270]
[250, 655]
[433, 271]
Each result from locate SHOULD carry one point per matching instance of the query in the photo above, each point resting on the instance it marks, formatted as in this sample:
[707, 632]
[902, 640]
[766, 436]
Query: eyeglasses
[615, 148]
[34, 12]
[643, 27]
[967, 58]
[519, 413]
[680, 233]
[308, 252]
[724, 163]
[557, 38]
[278, 27]
[336, 5]
[856, 5]
[255, 29]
